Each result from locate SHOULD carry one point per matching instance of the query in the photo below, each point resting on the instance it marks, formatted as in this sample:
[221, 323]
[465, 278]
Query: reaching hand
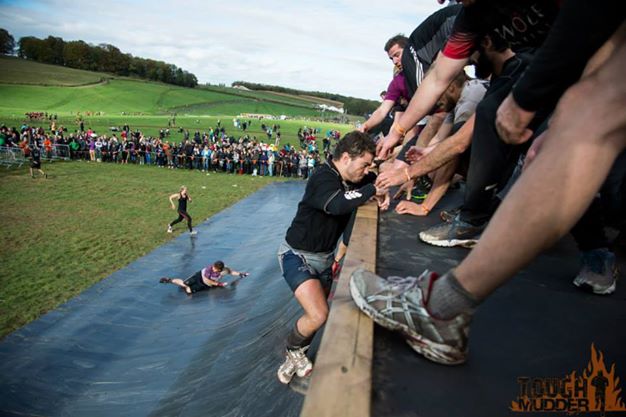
[386, 144]
[405, 188]
[383, 200]
[391, 177]
[415, 153]
[512, 122]
[409, 207]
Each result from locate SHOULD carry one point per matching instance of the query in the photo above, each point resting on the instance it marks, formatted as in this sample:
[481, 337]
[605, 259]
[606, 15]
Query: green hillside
[21, 71]
[35, 87]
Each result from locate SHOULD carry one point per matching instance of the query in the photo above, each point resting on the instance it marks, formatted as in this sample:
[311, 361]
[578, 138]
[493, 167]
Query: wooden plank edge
[341, 383]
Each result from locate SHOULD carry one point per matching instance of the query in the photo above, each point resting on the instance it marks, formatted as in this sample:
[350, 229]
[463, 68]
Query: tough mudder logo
[595, 390]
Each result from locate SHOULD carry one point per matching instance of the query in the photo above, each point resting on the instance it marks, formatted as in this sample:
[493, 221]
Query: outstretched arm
[439, 156]
[440, 76]
[212, 283]
[378, 116]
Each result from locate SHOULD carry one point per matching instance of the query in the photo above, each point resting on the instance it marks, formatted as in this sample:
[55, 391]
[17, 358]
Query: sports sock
[295, 340]
[448, 298]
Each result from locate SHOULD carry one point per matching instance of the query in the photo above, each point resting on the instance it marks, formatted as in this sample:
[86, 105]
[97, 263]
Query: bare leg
[312, 298]
[587, 133]
[181, 284]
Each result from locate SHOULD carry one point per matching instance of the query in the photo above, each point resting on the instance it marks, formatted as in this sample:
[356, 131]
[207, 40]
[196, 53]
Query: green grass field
[62, 235]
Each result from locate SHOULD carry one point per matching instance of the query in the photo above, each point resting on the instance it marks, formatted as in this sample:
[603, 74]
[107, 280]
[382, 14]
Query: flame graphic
[596, 365]
[612, 399]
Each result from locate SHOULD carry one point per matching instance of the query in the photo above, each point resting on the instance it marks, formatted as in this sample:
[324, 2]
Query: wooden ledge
[342, 378]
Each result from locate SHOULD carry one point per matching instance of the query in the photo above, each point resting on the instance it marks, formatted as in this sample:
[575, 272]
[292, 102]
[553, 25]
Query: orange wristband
[399, 130]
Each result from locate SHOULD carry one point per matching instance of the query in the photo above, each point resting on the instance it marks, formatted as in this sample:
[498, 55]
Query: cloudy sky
[324, 45]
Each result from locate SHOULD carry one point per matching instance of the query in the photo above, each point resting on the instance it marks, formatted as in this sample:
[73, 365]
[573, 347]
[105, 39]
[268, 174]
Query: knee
[319, 316]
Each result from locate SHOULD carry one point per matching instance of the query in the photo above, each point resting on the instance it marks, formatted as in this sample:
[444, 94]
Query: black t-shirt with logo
[325, 209]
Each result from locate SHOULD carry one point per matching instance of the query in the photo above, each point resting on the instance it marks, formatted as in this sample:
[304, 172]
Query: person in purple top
[396, 97]
[204, 279]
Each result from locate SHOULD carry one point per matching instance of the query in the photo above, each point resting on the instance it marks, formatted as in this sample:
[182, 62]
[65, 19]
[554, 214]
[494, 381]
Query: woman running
[182, 196]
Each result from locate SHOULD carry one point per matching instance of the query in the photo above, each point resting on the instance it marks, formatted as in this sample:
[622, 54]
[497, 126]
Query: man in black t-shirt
[332, 194]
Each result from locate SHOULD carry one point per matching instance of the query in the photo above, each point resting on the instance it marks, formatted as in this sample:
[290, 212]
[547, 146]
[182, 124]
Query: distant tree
[52, 51]
[77, 54]
[7, 43]
[101, 58]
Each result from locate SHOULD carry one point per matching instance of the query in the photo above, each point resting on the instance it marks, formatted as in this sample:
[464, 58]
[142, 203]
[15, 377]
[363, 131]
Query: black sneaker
[165, 280]
[455, 233]
[449, 215]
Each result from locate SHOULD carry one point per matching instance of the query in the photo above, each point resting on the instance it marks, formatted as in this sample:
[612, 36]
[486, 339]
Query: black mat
[538, 325]
[130, 346]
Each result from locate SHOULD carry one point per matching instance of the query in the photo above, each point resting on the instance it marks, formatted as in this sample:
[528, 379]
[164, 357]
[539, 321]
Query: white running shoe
[296, 362]
[193, 232]
[169, 229]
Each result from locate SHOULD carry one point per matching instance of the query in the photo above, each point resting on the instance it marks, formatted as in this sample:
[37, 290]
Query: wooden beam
[341, 382]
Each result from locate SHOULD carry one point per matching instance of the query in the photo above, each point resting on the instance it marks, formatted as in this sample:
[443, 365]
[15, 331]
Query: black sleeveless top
[182, 202]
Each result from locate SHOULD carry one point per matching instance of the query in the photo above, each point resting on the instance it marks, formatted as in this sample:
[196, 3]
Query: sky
[334, 46]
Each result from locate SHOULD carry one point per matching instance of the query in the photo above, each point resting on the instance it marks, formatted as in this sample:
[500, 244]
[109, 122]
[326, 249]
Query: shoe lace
[298, 356]
[403, 283]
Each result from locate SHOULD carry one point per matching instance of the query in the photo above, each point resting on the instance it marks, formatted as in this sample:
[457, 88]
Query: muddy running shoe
[455, 233]
[165, 280]
[399, 304]
[169, 229]
[296, 362]
[449, 215]
[598, 273]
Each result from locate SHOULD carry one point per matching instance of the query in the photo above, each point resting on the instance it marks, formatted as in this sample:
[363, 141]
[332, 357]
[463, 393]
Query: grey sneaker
[598, 273]
[296, 362]
[399, 304]
[455, 233]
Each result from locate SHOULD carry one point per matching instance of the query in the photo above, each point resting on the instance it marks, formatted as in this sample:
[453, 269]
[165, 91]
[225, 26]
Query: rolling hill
[32, 86]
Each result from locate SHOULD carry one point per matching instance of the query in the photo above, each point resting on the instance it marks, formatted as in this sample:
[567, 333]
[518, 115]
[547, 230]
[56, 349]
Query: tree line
[102, 58]
[352, 105]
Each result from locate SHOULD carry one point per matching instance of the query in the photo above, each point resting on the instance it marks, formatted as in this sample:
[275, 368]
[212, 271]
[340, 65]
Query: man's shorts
[298, 267]
[195, 282]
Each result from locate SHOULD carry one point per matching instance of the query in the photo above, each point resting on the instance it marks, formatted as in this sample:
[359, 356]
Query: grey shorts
[299, 266]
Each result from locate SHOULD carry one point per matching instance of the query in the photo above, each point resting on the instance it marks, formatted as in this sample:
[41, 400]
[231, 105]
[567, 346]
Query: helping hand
[512, 122]
[391, 177]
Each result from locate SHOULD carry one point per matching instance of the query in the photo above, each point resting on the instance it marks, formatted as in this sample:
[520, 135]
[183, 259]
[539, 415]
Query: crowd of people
[538, 137]
[211, 151]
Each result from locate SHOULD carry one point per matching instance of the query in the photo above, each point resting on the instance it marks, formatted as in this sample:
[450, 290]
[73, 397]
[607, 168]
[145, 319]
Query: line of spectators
[210, 151]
